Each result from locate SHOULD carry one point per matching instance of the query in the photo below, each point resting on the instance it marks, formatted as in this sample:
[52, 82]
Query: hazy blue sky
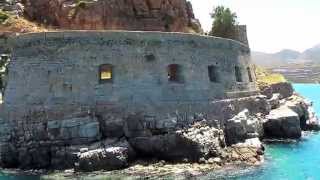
[272, 24]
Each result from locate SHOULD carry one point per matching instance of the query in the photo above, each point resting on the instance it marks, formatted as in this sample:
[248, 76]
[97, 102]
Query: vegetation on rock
[3, 16]
[266, 78]
[20, 25]
[224, 23]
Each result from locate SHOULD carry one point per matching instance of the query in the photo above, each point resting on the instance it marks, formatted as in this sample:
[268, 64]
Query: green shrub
[224, 23]
[82, 3]
[3, 16]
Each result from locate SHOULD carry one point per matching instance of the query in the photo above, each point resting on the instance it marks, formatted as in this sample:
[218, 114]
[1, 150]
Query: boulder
[107, 154]
[192, 144]
[275, 100]
[285, 89]
[242, 127]
[103, 159]
[251, 152]
[305, 111]
[282, 123]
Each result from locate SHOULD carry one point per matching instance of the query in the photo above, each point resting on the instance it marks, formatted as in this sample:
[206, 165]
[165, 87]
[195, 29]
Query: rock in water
[242, 127]
[282, 123]
[192, 144]
[106, 158]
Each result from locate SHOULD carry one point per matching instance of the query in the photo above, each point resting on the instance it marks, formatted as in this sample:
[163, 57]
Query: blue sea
[292, 161]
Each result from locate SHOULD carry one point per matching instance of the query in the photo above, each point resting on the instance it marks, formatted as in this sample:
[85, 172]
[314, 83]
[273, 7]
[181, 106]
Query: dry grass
[265, 78]
[20, 25]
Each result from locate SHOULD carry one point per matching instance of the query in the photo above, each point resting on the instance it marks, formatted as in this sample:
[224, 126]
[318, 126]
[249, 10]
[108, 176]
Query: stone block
[73, 129]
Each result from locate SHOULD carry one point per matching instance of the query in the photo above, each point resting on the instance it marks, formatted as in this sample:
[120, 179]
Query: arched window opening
[238, 74]
[175, 73]
[213, 72]
[249, 74]
[105, 73]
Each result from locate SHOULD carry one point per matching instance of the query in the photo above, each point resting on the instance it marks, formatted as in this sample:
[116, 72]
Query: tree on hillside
[224, 22]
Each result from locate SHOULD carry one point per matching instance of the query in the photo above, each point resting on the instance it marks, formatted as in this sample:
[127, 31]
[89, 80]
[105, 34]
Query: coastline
[238, 153]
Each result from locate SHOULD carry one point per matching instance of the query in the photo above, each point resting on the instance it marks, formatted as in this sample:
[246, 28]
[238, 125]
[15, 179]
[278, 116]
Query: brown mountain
[145, 15]
[286, 57]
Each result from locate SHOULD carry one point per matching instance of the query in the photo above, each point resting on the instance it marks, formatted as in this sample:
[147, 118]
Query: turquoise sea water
[294, 161]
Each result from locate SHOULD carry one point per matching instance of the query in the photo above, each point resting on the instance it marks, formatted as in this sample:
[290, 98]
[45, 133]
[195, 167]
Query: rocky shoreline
[193, 149]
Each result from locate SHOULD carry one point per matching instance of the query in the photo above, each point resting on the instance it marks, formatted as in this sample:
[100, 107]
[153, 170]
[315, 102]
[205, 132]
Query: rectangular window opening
[250, 74]
[174, 73]
[213, 73]
[238, 74]
[105, 73]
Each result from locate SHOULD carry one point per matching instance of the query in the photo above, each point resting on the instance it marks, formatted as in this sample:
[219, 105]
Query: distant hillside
[312, 54]
[286, 57]
[295, 66]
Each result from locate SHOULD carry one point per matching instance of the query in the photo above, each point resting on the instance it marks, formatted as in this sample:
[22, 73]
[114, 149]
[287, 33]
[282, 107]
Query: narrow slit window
[174, 73]
[105, 73]
[213, 73]
[250, 74]
[238, 74]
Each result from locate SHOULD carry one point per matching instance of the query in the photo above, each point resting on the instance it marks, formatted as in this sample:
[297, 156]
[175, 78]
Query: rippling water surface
[294, 161]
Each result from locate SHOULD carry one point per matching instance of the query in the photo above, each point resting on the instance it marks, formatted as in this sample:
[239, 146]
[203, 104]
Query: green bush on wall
[82, 3]
[3, 16]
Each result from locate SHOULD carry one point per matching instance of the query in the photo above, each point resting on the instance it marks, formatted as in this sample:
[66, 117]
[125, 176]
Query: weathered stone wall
[54, 102]
[54, 99]
[53, 70]
[241, 34]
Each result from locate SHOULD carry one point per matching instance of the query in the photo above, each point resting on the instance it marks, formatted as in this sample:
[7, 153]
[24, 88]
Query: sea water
[291, 161]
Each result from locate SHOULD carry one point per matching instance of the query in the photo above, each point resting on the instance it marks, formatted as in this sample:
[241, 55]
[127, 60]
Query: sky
[272, 25]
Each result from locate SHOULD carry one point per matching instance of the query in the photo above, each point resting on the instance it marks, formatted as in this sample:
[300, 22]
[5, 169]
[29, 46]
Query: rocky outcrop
[107, 159]
[192, 144]
[144, 15]
[101, 140]
[282, 123]
[274, 101]
[305, 111]
[285, 89]
[243, 126]
[250, 151]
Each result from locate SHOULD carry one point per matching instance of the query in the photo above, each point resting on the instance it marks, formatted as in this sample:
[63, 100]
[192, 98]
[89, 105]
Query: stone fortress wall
[62, 68]
[57, 96]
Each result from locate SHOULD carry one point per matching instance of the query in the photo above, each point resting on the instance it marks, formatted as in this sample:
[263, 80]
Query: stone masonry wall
[54, 99]
[53, 70]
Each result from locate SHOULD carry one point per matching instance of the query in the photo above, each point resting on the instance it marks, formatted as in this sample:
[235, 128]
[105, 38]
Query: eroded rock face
[283, 123]
[108, 159]
[145, 15]
[285, 89]
[251, 152]
[242, 127]
[198, 141]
